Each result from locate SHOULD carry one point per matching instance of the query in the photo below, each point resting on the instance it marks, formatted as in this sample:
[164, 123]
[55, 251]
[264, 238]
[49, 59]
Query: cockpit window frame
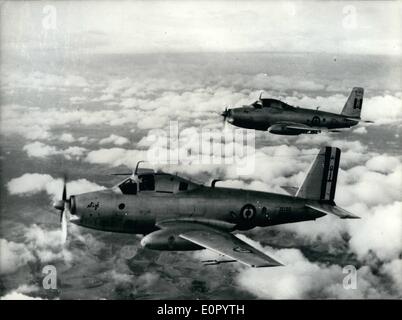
[276, 104]
[169, 184]
[132, 191]
[144, 185]
[183, 186]
[257, 105]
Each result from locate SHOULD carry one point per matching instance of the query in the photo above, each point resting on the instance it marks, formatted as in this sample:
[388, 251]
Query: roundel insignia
[248, 212]
[315, 121]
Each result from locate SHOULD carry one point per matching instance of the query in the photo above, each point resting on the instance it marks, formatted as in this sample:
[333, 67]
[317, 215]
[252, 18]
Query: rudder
[320, 181]
[353, 105]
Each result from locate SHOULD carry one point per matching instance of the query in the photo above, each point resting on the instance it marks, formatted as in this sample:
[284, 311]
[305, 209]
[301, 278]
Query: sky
[355, 27]
[96, 96]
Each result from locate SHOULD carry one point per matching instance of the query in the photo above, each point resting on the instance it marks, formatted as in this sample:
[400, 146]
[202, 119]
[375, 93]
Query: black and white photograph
[200, 150]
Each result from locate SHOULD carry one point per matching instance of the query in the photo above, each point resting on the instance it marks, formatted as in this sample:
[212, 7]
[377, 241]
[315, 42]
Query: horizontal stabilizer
[332, 209]
[360, 120]
[290, 190]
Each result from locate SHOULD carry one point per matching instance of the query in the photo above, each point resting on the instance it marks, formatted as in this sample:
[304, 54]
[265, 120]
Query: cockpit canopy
[271, 103]
[257, 104]
[155, 182]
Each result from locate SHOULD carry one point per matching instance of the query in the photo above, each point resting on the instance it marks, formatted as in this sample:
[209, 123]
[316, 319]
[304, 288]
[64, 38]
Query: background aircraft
[280, 118]
[177, 214]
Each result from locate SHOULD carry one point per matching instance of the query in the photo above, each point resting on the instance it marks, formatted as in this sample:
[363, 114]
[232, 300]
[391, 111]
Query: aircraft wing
[289, 126]
[227, 244]
[298, 127]
[360, 120]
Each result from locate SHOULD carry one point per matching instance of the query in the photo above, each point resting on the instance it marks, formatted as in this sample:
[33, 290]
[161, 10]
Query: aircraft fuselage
[110, 211]
[262, 119]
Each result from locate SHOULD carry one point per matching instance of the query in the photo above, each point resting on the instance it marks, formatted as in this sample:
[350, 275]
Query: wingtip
[352, 217]
[268, 265]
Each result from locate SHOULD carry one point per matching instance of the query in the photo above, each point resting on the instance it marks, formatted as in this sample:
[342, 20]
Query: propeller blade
[64, 196]
[63, 223]
[224, 114]
[63, 206]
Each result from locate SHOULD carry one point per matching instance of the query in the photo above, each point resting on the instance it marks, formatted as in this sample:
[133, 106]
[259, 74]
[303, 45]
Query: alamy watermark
[202, 146]
[350, 280]
[49, 281]
[349, 20]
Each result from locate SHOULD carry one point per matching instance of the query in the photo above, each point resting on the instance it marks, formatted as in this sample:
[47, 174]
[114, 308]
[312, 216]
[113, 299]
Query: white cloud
[360, 130]
[379, 232]
[293, 281]
[43, 81]
[47, 245]
[32, 183]
[41, 150]
[116, 157]
[86, 140]
[67, 137]
[74, 152]
[301, 278]
[18, 296]
[148, 279]
[29, 183]
[104, 97]
[121, 277]
[383, 109]
[77, 100]
[40, 245]
[360, 185]
[394, 270]
[327, 229]
[297, 280]
[13, 256]
[114, 139]
[383, 163]
[152, 122]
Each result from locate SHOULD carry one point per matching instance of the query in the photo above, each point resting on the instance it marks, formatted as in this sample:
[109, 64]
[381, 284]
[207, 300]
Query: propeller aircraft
[174, 213]
[278, 117]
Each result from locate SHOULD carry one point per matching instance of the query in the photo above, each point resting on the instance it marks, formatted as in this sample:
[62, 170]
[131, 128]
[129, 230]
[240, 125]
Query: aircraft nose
[75, 215]
[73, 207]
[228, 115]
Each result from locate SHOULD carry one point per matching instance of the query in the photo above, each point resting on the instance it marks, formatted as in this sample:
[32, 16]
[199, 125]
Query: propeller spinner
[226, 113]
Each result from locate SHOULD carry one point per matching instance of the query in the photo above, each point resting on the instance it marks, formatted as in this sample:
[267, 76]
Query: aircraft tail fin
[353, 105]
[320, 181]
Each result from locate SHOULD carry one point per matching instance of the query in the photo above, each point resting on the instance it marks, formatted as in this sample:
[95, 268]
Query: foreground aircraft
[280, 118]
[174, 213]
